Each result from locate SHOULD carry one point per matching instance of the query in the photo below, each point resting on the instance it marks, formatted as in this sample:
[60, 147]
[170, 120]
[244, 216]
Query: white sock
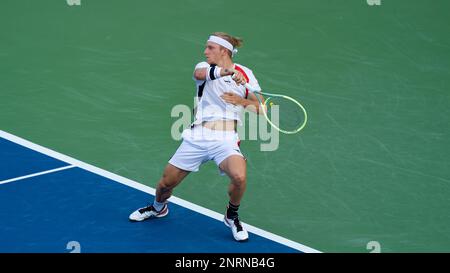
[158, 206]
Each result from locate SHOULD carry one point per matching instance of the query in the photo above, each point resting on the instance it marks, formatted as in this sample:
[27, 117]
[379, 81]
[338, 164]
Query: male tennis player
[221, 97]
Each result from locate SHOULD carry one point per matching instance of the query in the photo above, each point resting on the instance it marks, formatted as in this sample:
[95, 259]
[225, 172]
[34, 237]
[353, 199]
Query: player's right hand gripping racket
[283, 113]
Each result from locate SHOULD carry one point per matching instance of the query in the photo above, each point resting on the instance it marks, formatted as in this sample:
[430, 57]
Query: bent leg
[236, 169]
[172, 176]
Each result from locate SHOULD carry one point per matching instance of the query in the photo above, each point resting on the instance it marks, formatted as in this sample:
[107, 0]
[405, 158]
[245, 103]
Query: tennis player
[221, 97]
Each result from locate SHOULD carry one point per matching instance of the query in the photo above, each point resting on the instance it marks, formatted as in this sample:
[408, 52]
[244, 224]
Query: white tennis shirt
[210, 106]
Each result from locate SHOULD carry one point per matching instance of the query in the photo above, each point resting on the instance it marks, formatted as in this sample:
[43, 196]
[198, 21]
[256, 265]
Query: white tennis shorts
[201, 144]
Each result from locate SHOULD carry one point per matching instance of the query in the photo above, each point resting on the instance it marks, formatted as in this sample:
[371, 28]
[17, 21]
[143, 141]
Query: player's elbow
[200, 74]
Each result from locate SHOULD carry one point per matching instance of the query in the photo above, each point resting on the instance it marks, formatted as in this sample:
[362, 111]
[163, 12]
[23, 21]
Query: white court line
[36, 174]
[149, 190]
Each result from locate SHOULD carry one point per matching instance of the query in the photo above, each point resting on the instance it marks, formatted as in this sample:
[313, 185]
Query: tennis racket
[283, 113]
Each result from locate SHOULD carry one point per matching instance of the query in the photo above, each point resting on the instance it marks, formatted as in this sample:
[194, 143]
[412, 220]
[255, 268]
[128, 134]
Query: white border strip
[149, 190]
[36, 174]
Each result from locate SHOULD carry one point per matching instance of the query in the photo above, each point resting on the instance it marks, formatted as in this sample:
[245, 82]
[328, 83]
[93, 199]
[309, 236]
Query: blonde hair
[235, 41]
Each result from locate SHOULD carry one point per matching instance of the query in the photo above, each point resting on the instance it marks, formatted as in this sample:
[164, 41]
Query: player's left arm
[251, 103]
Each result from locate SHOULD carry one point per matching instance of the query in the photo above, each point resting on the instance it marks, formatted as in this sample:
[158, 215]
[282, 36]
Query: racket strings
[285, 114]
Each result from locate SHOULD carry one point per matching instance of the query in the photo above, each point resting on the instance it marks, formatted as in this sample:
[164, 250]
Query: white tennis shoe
[148, 212]
[239, 232]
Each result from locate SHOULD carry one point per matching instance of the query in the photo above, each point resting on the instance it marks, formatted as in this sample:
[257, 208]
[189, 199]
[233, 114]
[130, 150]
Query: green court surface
[98, 81]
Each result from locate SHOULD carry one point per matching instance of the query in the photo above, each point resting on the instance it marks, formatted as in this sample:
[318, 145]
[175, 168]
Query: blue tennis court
[53, 203]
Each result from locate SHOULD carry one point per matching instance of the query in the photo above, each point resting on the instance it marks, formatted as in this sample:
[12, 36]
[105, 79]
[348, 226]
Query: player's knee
[165, 184]
[167, 179]
[239, 179]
